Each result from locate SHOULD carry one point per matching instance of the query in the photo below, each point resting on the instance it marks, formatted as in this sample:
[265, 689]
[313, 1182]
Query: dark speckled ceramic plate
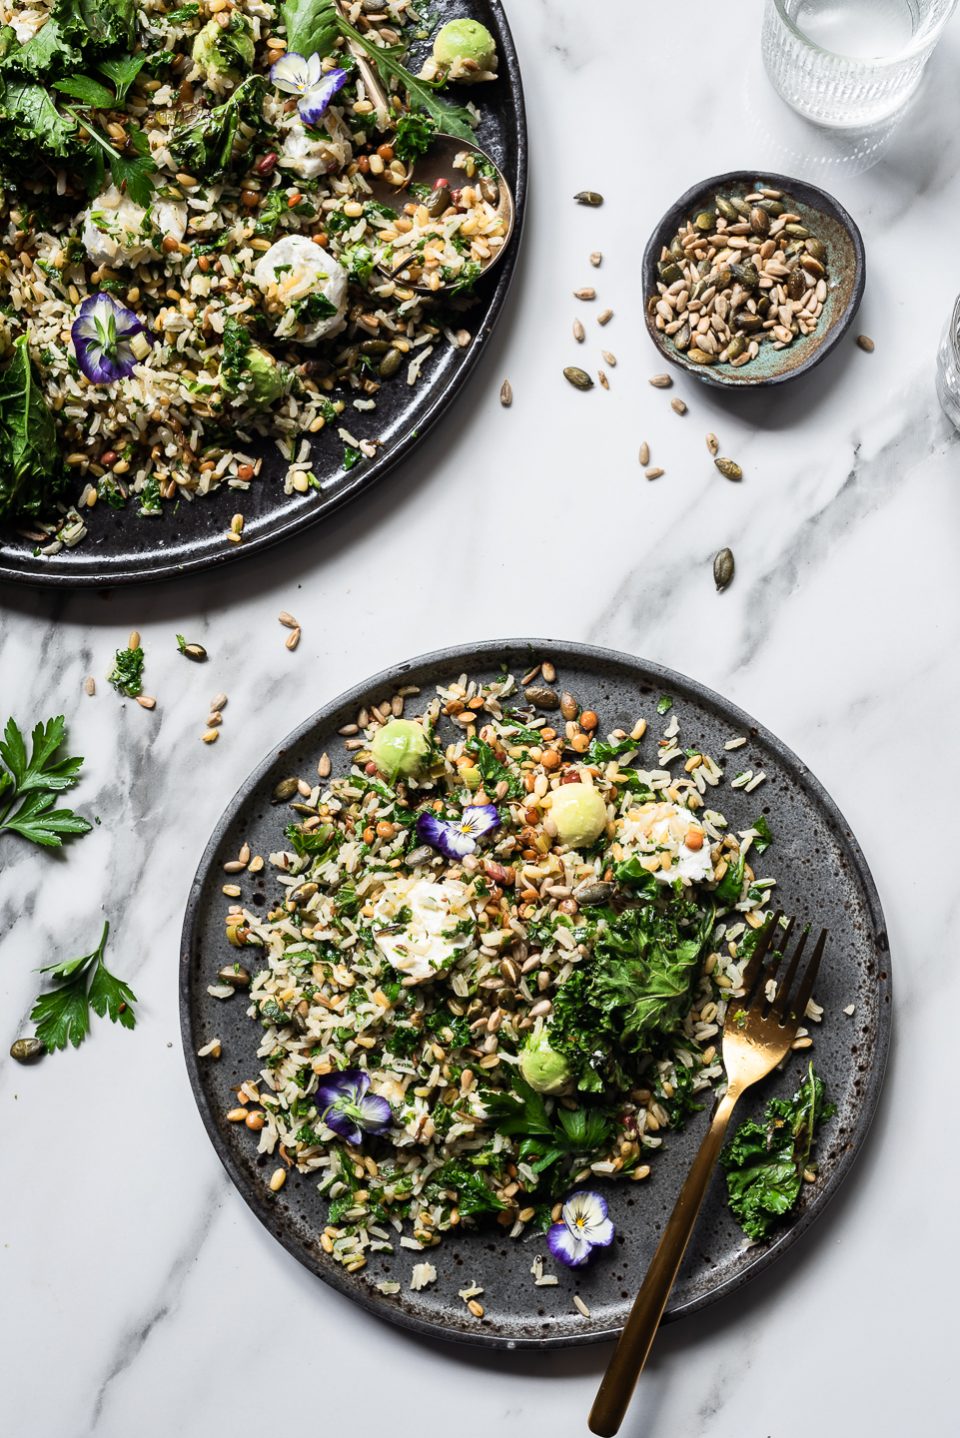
[822, 878]
[824, 217]
[122, 547]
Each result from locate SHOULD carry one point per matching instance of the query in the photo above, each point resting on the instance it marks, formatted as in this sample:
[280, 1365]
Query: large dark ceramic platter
[123, 547]
[822, 878]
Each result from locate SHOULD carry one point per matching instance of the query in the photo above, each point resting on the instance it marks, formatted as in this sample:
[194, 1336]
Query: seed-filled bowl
[752, 279]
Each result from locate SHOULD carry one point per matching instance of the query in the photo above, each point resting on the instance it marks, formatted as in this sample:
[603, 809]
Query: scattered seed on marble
[588, 197]
[596, 259]
[604, 317]
[587, 293]
[729, 468]
[723, 568]
[146, 701]
[579, 332]
[287, 620]
[578, 377]
[293, 639]
[90, 685]
[644, 453]
[653, 473]
[713, 444]
[678, 406]
[506, 394]
[609, 359]
[661, 381]
[866, 343]
[601, 376]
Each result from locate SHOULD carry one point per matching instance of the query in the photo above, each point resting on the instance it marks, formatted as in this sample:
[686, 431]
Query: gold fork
[757, 1035]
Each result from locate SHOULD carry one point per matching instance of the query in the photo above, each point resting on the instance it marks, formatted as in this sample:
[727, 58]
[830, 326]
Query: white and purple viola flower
[297, 75]
[105, 337]
[346, 1105]
[584, 1226]
[456, 837]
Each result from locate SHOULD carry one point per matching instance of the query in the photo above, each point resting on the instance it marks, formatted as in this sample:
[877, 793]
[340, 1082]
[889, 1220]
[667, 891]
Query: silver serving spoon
[437, 169]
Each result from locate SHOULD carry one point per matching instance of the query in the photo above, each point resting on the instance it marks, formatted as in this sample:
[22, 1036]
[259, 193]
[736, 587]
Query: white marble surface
[139, 1294]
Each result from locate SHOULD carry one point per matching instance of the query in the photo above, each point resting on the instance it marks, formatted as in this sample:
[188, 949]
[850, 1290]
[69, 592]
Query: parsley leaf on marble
[62, 1015]
[29, 784]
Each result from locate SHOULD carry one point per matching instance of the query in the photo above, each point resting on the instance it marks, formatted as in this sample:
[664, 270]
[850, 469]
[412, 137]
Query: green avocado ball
[544, 1069]
[579, 813]
[465, 40]
[400, 748]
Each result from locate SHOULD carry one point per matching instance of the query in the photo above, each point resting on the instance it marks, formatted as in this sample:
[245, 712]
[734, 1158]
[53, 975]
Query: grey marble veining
[139, 1295]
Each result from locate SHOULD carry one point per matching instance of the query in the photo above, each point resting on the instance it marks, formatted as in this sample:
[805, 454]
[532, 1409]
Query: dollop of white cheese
[117, 232]
[671, 835]
[308, 154]
[290, 274]
[418, 919]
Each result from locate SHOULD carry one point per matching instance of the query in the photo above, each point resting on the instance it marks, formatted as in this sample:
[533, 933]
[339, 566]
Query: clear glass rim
[879, 62]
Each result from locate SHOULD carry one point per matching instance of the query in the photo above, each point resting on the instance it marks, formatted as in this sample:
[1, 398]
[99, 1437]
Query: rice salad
[498, 966]
[192, 243]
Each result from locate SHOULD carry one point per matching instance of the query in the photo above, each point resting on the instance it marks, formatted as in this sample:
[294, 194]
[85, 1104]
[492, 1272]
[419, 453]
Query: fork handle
[636, 1340]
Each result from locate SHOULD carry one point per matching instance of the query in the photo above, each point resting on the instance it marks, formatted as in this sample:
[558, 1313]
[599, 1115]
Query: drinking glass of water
[850, 64]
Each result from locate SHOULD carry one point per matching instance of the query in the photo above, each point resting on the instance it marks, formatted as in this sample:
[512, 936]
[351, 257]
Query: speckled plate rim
[808, 194]
[479, 655]
[19, 567]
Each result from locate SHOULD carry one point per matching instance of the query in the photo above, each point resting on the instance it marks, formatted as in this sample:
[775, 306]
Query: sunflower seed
[579, 333]
[506, 394]
[588, 197]
[678, 406]
[866, 343]
[723, 568]
[578, 377]
[729, 468]
[644, 453]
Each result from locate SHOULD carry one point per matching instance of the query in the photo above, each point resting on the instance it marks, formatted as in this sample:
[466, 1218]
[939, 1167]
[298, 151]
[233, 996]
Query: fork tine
[783, 989]
[752, 971]
[796, 1009]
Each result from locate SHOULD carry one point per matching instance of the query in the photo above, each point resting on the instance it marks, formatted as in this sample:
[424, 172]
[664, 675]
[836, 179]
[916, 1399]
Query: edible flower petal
[103, 335]
[456, 837]
[297, 75]
[314, 103]
[584, 1225]
[346, 1105]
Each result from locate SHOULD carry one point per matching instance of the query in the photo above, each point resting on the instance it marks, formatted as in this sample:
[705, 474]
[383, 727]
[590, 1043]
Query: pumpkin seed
[866, 343]
[729, 468]
[390, 363]
[578, 377]
[506, 394]
[700, 356]
[723, 568]
[661, 381]
[26, 1051]
[588, 197]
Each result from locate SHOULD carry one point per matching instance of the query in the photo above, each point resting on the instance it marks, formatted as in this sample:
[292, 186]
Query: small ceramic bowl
[824, 217]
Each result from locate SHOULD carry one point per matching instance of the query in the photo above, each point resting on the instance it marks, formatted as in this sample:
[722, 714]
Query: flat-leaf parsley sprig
[62, 1016]
[29, 785]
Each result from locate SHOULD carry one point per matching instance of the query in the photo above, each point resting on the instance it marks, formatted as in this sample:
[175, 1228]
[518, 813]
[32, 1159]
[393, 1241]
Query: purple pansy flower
[583, 1226]
[103, 336]
[456, 837]
[306, 78]
[347, 1106]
